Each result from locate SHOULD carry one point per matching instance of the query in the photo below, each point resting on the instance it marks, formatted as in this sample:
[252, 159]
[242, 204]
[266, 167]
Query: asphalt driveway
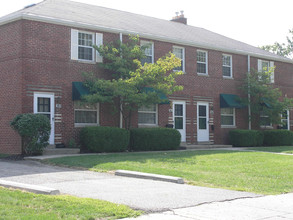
[148, 195]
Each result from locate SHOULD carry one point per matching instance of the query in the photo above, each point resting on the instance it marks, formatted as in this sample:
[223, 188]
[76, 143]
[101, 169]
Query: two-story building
[44, 49]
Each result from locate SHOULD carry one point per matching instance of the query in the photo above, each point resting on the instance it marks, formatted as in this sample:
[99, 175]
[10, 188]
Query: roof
[82, 15]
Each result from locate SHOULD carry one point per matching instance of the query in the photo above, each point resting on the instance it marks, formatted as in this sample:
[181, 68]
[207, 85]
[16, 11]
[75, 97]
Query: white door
[179, 118]
[202, 121]
[44, 104]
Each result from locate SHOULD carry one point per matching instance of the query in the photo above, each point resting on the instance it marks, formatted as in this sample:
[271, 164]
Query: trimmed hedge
[154, 139]
[104, 139]
[246, 138]
[278, 138]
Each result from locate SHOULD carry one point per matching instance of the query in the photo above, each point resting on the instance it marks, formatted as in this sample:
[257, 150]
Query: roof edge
[71, 23]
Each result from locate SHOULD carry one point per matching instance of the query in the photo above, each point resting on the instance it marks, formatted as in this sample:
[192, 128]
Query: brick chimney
[180, 18]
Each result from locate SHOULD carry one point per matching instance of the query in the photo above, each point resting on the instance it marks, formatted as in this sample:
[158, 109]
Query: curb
[134, 174]
[30, 188]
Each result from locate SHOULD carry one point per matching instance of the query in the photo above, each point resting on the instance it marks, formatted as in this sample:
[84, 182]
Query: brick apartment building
[44, 49]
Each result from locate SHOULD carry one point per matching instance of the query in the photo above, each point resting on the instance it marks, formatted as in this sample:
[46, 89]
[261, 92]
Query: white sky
[256, 22]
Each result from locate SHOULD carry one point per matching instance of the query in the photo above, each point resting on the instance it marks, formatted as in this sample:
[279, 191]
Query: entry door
[44, 104]
[179, 118]
[202, 121]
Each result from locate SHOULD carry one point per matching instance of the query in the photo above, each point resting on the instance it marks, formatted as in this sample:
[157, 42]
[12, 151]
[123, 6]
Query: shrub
[278, 138]
[104, 139]
[153, 139]
[246, 138]
[34, 130]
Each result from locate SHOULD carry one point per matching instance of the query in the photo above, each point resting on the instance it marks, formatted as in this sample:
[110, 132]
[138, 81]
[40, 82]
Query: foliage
[104, 139]
[278, 138]
[34, 130]
[129, 78]
[265, 99]
[245, 138]
[258, 172]
[15, 204]
[153, 139]
[282, 49]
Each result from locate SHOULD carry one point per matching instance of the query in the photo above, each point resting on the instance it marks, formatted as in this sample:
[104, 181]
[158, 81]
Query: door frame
[183, 136]
[197, 118]
[52, 110]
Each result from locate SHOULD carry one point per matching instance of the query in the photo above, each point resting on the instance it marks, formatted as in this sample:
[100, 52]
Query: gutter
[33, 17]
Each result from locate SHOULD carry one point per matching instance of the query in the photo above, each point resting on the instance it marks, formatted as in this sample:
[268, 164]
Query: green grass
[15, 204]
[258, 172]
[281, 149]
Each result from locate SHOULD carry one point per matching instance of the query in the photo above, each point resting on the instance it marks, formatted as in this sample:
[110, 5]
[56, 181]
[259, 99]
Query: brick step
[60, 151]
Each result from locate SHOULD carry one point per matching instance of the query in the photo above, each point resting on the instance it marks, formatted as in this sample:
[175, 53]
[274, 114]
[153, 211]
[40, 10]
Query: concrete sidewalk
[267, 207]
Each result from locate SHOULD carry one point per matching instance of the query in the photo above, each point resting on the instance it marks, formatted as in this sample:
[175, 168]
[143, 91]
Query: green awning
[230, 101]
[164, 99]
[78, 90]
[265, 102]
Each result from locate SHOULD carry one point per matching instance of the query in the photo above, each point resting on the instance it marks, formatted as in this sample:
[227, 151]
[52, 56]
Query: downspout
[121, 116]
[249, 107]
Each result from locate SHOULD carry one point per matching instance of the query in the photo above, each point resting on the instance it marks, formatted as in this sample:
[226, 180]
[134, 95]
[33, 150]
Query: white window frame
[182, 59]
[206, 63]
[151, 44]
[234, 119]
[288, 119]
[84, 109]
[231, 66]
[97, 39]
[150, 112]
[270, 65]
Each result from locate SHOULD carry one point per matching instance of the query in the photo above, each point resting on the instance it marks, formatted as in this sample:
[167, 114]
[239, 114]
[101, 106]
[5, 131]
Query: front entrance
[202, 121]
[179, 118]
[44, 104]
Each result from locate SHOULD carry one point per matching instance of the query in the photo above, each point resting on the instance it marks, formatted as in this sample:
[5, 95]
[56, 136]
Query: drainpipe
[249, 107]
[121, 116]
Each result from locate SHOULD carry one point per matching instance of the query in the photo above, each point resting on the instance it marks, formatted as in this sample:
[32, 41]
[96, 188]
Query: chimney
[180, 18]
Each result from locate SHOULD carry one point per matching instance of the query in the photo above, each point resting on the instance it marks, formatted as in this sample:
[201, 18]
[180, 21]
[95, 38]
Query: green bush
[34, 130]
[104, 139]
[246, 138]
[278, 138]
[153, 139]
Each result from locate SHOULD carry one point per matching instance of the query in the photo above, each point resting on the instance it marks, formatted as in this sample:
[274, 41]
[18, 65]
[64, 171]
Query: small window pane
[202, 110]
[227, 120]
[148, 108]
[87, 117]
[226, 71]
[201, 68]
[227, 111]
[146, 118]
[178, 122]
[85, 53]
[202, 123]
[178, 110]
[44, 105]
[201, 56]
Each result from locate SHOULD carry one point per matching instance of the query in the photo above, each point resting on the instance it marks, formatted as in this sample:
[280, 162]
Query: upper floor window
[148, 51]
[85, 114]
[227, 65]
[265, 66]
[228, 116]
[147, 115]
[82, 45]
[202, 62]
[180, 53]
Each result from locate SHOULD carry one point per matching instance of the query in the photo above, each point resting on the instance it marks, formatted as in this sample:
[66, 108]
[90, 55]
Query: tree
[129, 83]
[282, 49]
[265, 99]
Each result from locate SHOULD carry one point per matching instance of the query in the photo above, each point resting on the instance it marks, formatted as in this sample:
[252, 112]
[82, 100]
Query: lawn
[258, 172]
[15, 204]
[281, 149]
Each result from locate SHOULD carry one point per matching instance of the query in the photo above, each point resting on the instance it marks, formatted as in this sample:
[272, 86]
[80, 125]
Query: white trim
[270, 65]
[231, 66]
[51, 96]
[206, 63]
[183, 57]
[151, 43]
[234, 119]
[182, 131]
[150, 112]
[207, 130]
[82, 25]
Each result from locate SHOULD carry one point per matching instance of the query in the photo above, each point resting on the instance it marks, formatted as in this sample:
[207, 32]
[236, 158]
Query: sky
[256, 22]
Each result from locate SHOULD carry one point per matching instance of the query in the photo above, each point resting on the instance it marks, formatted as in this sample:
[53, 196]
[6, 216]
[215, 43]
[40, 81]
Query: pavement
[160, 200]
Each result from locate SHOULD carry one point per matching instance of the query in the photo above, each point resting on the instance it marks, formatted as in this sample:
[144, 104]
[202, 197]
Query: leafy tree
[282, 49]
[265, 99]
[126, 88]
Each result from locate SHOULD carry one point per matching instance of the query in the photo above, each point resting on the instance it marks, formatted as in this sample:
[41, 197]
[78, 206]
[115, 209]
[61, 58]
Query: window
[149, 52]
[285, 120]
[265, 120]
[147, 115]
[228, 116]
[227, 65]
[85, 114]
[202, 62]
[179, 52]
[82, 46]
[265, 66]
